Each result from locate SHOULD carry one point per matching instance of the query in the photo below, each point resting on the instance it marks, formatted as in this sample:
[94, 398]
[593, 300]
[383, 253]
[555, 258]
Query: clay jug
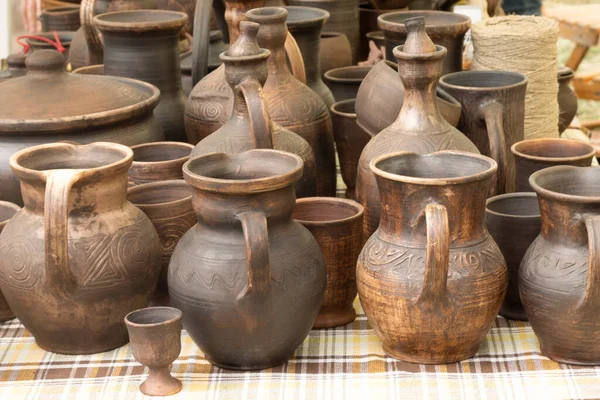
[143, 45]
[7, 211]
[558, 277]
[431, 279]
[419, 126]
[291, 103]
[61, 18]
[567, 100]
[250, 126]
[305, 23]
[78, 257]
[249, 279]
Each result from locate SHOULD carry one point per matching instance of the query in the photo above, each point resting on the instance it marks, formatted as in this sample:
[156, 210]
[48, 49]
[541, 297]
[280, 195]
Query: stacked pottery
[7, 211]
[159, 161]
[292, 104]
[250, 126]
[77, 245]
[261, 273]
[419, 126]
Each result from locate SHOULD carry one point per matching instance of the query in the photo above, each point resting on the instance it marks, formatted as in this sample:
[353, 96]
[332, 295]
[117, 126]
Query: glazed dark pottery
[344, 82]
[158, 161]
[7, 211]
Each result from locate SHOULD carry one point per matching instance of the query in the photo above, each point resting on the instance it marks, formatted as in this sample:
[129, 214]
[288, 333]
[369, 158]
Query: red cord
[57, 44]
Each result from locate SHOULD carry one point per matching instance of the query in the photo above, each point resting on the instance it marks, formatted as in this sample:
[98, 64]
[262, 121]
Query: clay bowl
[158, 161]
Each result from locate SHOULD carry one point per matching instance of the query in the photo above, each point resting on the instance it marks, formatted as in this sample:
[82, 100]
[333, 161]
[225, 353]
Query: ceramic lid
[50, 99]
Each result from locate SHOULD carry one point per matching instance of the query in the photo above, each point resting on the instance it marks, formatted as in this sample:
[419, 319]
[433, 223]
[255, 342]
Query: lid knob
[246, 44]
[417, 40]
[45, 60]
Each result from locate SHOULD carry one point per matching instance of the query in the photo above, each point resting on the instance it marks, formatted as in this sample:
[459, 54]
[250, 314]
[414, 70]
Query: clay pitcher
[493, 115]
[558, 278]
[261, 272]
[419, 127]
[78, 257]
[431, 279]
[7, 211]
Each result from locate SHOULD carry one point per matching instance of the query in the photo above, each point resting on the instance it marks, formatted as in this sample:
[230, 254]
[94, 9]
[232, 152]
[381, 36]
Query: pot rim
[305, 23]
[359, 211]
[328, 74]
[445, 84]
[375, 35]
[162, 144]
[517, 152]
[176, 316]
[572, 198]
[505, 196]
[491, 170]
[333, 110]
[150, 186]
[10, 206]
[461, 26]
[243, 186]
[58, 10]
[141, 26]
[565, 73]
[439, 53]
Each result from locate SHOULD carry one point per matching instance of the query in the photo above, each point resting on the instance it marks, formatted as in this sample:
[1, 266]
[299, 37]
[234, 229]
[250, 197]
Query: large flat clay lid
[50, 99]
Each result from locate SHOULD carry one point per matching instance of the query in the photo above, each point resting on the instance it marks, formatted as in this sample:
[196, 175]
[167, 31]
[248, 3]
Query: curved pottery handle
[492, 113]
[295, 57]
[92, 37]
[56, 228]
[260, 122]
[258, 268]
[201, 40]
[591, 296]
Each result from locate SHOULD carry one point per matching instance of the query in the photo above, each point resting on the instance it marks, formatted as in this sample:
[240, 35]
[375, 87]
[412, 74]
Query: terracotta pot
[292, 104]
[344, 82]
[119, 111]
[558, 276]
[159, 161]
[64, 37]
[77, 245]
[168, 205]
[7, 211]
[444, 28]
[535, 154]
[419, 126]
[368, 23]
[155, 334]
[513, 220]
[63, 18]
[250, 126]
[493, 115]
[335, 51]
[567, 100]
[431, 280]
[336, 224]
[262, 273]
[305, 23]
[381, 95]
[215, 47]
[143, 45]
[350, 140]
[343, 18]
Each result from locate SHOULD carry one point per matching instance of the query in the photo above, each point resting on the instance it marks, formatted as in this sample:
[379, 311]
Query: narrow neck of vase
[277, 63]
[152, 57]
[309, 43]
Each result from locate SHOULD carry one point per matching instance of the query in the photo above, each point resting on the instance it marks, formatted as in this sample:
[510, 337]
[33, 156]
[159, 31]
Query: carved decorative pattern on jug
[19, 265]
[171, 229]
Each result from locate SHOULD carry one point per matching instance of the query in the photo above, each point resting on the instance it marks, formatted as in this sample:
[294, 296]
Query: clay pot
[77, 245]
[535, 154]
[350, 140]
[155, 334]
[262, 273]
[143, 45]
[292, 104]
[513, 220]
[567, 100]
[79, 52]
[65, 40]
[119, 111]
[368, 23]
[159, 161]
[168, 205]
[493, 115]
[558, 275]
[431, 280]
[305, 23]
[381, 95]
[7, 211]
[335, 51]
[250, 126]
[419, 126]
[215, 47]
[15, 66]
[444, 28]
[344, 82]
[63, 18]
[336, 224]
[343, 18]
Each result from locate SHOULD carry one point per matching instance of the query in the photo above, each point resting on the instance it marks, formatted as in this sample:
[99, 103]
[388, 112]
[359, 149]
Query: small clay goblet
[155, 335]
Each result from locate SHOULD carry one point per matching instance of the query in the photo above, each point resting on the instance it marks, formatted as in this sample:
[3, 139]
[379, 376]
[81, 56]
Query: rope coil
[56, 42]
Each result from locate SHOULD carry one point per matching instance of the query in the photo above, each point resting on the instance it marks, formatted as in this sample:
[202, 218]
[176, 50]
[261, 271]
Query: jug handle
[492, 113]
[591, 296]
[438, 256]
[258, 269]
[295, 57]
[260, 122]
[201, 40]
[92, 36]
[56, 227]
